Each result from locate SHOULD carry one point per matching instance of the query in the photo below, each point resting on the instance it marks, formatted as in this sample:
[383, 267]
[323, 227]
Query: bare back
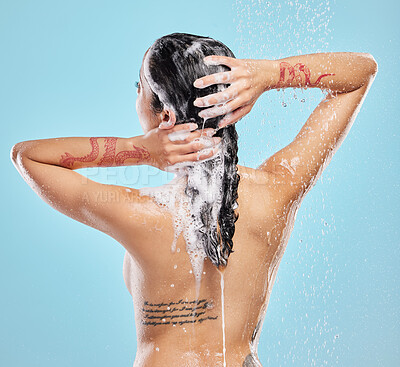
[174, 328]
[168, 316]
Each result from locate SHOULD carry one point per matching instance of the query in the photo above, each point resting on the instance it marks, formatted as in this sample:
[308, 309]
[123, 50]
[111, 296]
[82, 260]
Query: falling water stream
[273, 30]
[257, 18]
[223, 317]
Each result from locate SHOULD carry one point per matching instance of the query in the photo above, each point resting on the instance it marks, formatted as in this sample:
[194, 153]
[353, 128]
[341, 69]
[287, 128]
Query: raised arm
[48, 165]
[346, 77]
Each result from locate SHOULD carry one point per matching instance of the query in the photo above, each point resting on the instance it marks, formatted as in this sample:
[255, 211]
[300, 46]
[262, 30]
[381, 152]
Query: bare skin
[161, 283]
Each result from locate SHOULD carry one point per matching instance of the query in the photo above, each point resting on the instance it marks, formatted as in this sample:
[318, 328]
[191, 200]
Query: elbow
[371, 64]
[368, 68]
[15, 151]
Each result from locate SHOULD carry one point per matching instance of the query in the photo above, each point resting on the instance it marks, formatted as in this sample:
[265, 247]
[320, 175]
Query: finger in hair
[185, 126]
[194, 135]
[219, 60]
[218, 110]
[216, 98]
[217, 78]
[200, 155]
[234, 116]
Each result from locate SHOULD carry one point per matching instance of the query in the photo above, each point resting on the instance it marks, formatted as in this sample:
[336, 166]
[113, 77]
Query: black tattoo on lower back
[177, 313]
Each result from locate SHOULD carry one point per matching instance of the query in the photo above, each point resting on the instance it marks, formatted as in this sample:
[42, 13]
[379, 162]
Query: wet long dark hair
[175, 61]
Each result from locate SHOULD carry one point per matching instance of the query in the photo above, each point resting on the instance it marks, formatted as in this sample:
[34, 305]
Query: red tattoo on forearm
[110, 145]
[141, 154]
[68, 159]
[109, 158]
[295, 75]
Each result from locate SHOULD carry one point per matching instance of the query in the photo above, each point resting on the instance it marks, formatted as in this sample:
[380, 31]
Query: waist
[191, 355]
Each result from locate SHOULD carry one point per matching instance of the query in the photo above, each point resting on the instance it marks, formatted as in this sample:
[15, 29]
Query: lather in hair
[174, 62]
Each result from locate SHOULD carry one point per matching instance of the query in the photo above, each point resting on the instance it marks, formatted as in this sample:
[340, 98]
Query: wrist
[270, 74]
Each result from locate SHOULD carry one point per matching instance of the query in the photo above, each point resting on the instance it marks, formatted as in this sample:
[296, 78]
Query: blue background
[67, 68]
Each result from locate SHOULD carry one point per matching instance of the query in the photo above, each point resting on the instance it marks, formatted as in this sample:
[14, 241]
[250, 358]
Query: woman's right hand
[248, 79]
[175, 144]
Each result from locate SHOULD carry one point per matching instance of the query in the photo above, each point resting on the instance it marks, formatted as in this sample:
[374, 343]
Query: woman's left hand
[168, 145]
[248, 79]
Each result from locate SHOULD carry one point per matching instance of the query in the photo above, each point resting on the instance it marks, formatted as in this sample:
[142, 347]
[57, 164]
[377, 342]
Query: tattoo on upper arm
[109, 157]
[68, 159]
[294, 73]
[177, 313]
[110, 144]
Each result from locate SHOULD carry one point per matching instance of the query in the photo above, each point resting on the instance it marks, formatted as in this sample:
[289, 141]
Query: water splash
[274, 30]
[223, 316]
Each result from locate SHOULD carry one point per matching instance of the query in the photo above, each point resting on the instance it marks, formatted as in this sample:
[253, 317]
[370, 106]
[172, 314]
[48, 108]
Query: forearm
[81, 152]
[339, 72]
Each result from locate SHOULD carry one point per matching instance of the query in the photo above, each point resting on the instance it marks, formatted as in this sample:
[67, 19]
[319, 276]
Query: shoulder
[253, 176]
[262, 186]
[259, 180]
[129, 204]
[254, 189]
[129, 216]
[117, 210]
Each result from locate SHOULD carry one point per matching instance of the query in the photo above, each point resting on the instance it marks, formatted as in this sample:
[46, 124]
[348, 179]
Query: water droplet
[284, 104]
[302, 100]
[172, 285]
[157, 349]
[175, 266]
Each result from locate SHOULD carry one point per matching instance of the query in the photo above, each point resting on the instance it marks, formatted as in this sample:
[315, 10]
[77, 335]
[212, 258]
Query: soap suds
[179, 135]
[203, 184]
[186, 210]
[196, 46]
